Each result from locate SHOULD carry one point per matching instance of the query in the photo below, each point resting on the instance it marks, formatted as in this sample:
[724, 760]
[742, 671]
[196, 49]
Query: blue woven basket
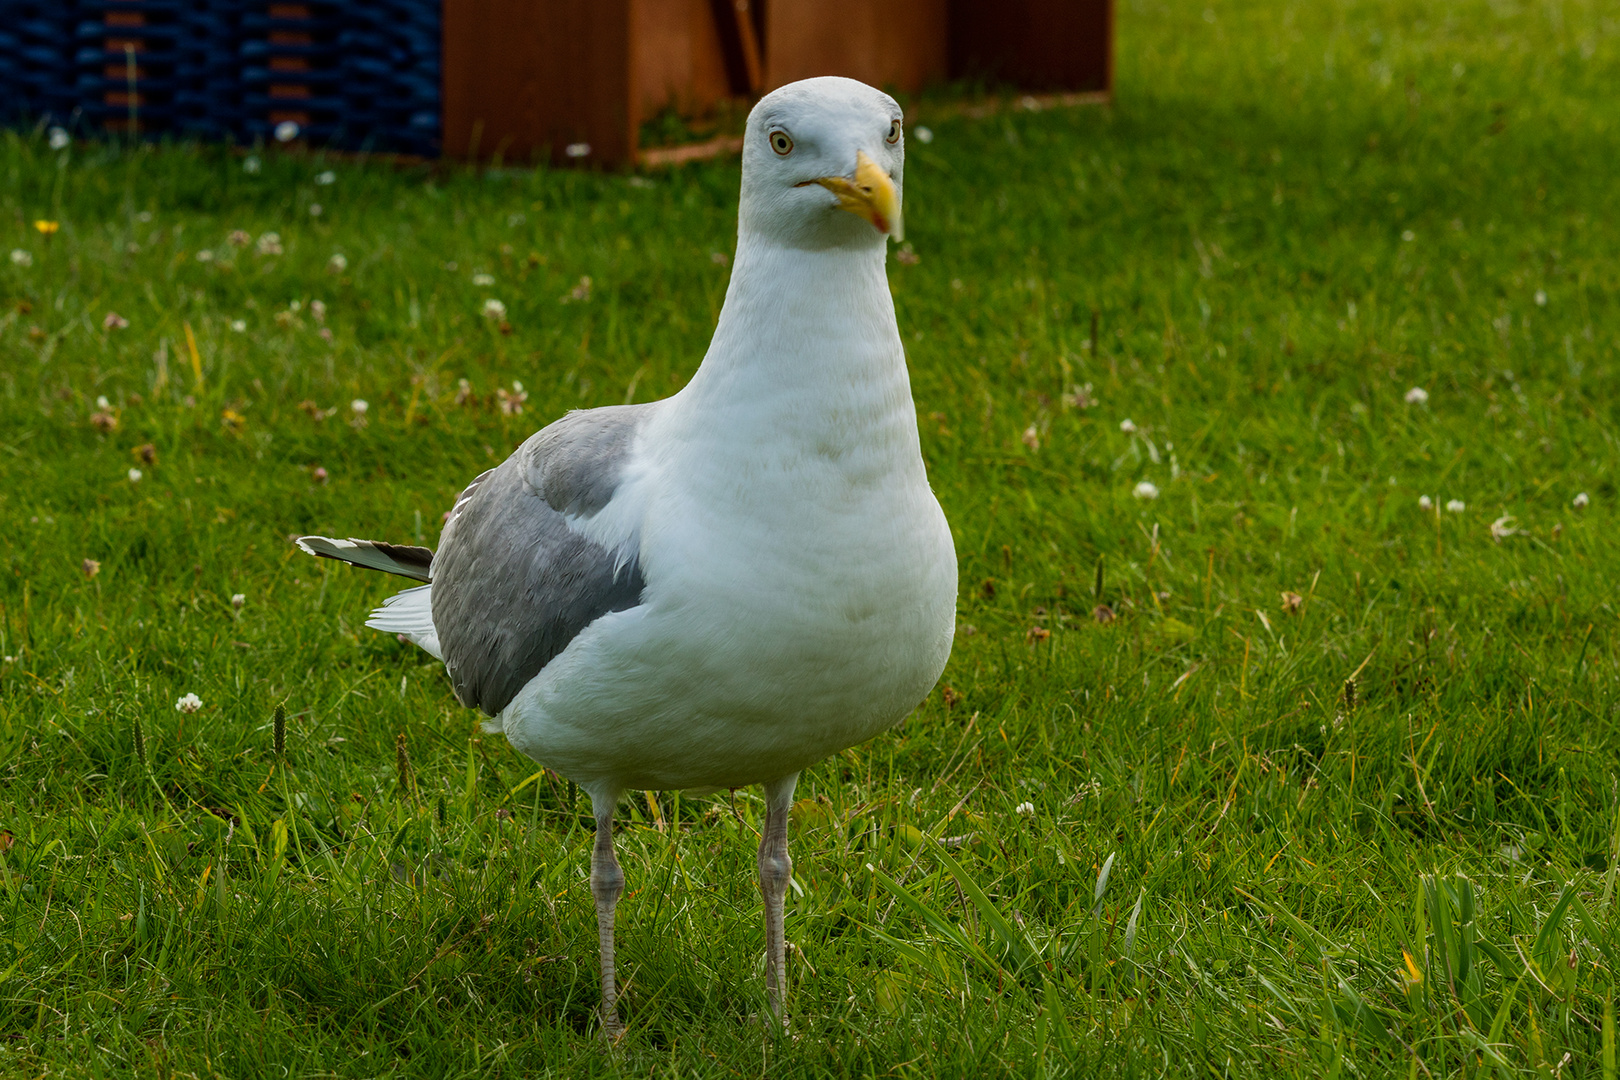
[352, 74]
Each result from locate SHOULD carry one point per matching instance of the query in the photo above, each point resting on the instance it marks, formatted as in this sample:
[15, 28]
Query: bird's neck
[805, 337]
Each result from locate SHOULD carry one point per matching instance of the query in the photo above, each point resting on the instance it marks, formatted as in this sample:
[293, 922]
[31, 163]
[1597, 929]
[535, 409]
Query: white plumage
[726, 586]
[409, 614]
[800, 575]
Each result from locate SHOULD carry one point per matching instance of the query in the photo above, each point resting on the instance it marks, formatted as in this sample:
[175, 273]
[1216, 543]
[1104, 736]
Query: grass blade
[1608, 1035]
[1130, 924]
[939, 924]
[1102, 884]
[1023, 951]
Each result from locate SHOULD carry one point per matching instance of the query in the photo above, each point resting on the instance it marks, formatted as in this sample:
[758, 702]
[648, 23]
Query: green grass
[1226, 859]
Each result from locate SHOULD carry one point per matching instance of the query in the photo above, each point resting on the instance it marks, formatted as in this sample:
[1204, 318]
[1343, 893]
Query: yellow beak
[870, 195]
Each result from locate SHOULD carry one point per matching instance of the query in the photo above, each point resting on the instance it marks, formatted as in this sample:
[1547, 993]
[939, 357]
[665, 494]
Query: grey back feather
[575, 462]
[513, 581]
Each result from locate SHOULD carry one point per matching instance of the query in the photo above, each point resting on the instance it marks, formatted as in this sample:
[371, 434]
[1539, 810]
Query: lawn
[1335, 790]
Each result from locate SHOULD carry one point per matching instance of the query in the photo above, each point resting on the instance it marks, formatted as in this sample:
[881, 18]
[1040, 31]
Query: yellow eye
[894, 131]
[781, 143]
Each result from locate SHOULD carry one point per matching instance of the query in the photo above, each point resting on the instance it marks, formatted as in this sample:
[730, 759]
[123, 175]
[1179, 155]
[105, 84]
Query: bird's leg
[607, 883]
[775, 870]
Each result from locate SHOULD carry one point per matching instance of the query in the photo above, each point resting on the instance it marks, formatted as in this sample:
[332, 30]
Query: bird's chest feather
[821, 618]
[807, 537]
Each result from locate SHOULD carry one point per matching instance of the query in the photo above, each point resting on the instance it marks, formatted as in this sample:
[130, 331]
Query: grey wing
[513, 581]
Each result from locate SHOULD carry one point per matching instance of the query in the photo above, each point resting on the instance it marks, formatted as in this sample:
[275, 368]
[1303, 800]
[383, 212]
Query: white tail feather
[409, 613]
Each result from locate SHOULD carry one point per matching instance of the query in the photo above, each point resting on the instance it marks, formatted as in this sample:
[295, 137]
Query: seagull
[724, 587]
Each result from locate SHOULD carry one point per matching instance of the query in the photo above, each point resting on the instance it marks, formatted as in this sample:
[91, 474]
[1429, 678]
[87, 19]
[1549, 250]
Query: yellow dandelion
[47, 228]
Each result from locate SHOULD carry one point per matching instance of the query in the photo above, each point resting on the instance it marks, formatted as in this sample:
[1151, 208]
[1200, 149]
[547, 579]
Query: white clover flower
[1128, 426]
[134, 476]
[337, 263]
[19, 257]
[1025, 809]
[1425, 503]
[483, 279]
[1408, 236]
[1541, 298]
[205, 256]
[1080, 397]
[237, 600]
[511, 402]
[316, 209]
[239, 325]
[317, 309]
[1417, 396]
[923, 135]
[1146, 489]
[327, 177]
[359, 406]
[250, 165]
[103, 403]
[59, 138]
[1581, 501]
[494, 309]
[270, 244]
[287, 131]
[578, 149]
[1456, 506]
[189, 704]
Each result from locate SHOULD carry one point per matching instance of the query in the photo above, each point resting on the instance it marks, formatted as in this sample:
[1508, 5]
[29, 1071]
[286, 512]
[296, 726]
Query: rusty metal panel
[677, 57]
[524, 79]
[1057, 45]
[898, 44]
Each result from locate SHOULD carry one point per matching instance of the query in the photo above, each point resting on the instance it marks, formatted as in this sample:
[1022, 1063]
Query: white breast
[801, 579]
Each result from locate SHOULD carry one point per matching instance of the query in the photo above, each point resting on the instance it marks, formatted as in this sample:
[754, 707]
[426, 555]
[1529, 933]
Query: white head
[815, 149]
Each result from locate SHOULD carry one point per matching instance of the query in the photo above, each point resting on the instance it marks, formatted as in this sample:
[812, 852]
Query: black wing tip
[410, 554]
[408, 560]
